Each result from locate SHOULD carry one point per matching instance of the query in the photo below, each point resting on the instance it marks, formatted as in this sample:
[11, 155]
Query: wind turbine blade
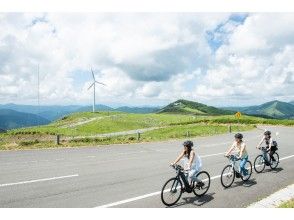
[100, 83]
[91, 86]
[93, 75]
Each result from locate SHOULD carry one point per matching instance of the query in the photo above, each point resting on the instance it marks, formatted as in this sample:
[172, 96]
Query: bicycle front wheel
[248, 168]
[171, 191]
[202, 184]
[274, 163]
[228, 176]
[259, 164]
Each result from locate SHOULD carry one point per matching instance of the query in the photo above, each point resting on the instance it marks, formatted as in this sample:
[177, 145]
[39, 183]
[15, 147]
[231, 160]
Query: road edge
[275, 199]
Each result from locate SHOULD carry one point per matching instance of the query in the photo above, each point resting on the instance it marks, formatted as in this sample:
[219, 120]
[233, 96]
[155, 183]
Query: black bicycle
[230, 171]
[261, 160]
[172, 190]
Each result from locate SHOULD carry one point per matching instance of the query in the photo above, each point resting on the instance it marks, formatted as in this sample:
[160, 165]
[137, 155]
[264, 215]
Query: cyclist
[240, 146]
[271, 146]
[192, 162]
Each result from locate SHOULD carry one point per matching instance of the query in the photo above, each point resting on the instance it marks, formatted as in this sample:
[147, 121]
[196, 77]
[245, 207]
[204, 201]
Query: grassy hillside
[79, 128]
[273, 109]
[189, 107]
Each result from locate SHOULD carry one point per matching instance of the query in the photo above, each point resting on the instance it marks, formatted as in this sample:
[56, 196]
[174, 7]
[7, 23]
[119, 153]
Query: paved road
[132, 175]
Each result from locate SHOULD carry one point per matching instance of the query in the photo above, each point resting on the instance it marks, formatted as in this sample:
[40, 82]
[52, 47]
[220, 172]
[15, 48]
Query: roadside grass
[160, 134]
[288, 204]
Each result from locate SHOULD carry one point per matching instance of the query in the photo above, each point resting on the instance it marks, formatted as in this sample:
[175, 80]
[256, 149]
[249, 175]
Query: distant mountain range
[182, 106]
[273, 109]
[56, 111]
[13, 119]
[16, 116]
[21, 115]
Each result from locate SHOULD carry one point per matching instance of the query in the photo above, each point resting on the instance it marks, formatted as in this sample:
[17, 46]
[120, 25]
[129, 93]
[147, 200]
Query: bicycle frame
[233, 162]
[264, 152]
[182, 177]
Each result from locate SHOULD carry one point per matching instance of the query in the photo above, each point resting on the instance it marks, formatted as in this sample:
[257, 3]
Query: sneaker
[238, 175]
[199, 184]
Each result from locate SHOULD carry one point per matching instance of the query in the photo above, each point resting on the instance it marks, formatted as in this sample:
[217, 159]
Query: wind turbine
[94, 90]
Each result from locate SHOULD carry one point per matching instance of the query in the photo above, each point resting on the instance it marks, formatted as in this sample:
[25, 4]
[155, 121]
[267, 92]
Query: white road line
[91, 156]
[158, 192]
[209, 155]
[38, 180]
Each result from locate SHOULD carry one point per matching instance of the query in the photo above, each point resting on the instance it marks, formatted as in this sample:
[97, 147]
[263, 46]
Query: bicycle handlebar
[177, 167]
[233, 157]
[263, 149]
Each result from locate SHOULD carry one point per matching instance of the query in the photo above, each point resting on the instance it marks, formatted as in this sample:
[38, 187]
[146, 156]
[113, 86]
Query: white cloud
[255, 65]
[145, 58]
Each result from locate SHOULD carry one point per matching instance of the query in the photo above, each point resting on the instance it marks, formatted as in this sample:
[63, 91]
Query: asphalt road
[133, 175]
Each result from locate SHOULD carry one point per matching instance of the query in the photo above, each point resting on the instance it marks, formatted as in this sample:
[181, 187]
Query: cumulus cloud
[146, 58]
[255, 64]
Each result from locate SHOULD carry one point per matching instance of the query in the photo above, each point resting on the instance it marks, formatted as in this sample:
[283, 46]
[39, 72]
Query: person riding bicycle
[192, 162]
[240, 146]
[271, 146]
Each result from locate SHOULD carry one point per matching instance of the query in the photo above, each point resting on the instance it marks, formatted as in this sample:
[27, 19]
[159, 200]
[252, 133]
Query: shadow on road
[279, 169]
[248, 183]
[195, 200]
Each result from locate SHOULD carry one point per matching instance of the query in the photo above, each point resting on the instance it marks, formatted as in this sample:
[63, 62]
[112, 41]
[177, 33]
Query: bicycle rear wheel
[274, 164]
[248, 167]
[259, 164]
[228, 176]
[203, 183]
[171, 191]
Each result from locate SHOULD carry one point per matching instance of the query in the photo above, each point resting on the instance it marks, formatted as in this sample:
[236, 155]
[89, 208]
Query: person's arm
[258, 146]
[243, 146]
[179, 157]
[192, 156]
[270, 144]
[230, 150]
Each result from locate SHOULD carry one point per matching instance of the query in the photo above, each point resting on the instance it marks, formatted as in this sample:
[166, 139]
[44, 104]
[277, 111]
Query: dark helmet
[188, 144]
[239, 136]
[267, 133]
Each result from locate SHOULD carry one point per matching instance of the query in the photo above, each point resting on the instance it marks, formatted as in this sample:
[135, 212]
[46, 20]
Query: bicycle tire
[163, 191]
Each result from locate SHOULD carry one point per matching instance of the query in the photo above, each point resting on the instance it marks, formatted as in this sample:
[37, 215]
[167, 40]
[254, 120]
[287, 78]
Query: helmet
[188, 143]
[267, 133]
[239, 135]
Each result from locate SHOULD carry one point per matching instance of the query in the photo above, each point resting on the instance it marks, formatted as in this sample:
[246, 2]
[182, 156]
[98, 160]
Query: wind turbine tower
[94, 89]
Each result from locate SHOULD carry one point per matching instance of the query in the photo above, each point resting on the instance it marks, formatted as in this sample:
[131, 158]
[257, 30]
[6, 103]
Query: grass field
[78, 127]
[288, 204]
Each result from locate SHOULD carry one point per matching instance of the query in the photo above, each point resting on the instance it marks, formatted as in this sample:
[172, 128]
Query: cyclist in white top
[192, 162]
[240, 146]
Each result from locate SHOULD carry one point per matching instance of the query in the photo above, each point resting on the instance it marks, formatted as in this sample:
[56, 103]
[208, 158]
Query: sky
[147, 59]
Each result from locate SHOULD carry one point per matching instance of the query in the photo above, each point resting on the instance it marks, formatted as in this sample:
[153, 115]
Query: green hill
[182, 106]
[10, 119]
[273, 109]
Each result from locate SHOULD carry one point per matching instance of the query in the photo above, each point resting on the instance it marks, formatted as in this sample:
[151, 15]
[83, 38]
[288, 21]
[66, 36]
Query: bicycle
[174, 187]
[261, 161]
[230, 171]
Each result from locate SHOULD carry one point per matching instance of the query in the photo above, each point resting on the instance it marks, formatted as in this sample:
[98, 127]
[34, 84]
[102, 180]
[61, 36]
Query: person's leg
[192, 175]
[271, 155]
[242, 166]
[264, 153]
